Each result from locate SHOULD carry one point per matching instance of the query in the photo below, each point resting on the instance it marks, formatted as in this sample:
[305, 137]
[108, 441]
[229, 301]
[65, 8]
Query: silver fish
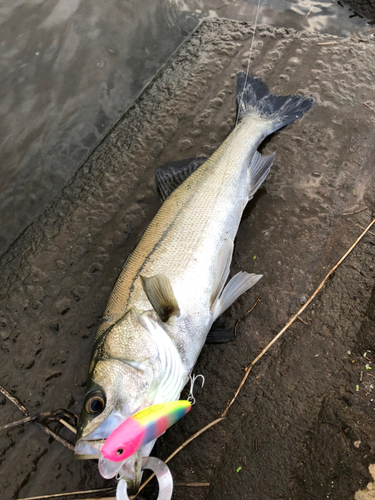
[173, 285]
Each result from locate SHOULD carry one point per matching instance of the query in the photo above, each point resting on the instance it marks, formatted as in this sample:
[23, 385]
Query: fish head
[124, 372]
[115, 392]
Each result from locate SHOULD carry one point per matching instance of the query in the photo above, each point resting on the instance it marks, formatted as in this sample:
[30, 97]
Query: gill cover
[124, 369]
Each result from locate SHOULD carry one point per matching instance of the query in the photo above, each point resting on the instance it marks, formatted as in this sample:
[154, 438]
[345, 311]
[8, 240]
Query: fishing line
[248, 62]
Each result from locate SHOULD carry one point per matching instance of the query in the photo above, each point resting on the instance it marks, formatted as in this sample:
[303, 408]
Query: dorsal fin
[171, 175]
[159, 292]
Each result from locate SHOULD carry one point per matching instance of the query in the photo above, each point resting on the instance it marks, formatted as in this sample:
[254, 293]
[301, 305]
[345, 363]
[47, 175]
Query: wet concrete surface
[365, 8]
[69, 69]
[292, 429]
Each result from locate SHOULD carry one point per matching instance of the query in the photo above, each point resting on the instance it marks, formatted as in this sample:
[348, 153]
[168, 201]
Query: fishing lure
[141, 428]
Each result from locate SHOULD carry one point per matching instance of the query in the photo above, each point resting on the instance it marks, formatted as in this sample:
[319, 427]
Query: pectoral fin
[236, 287]
[160, 293]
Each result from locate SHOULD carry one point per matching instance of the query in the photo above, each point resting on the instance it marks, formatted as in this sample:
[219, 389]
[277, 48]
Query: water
[69, 69]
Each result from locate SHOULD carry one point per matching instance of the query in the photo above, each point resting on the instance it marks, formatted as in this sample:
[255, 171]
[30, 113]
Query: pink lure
[141, 428]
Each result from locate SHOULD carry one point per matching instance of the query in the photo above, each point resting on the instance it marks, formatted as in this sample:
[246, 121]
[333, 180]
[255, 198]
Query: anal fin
[241, 282]
[258, 170]
[223, 261]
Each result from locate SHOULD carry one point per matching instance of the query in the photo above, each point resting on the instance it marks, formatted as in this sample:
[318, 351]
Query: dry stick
[201, 431]
[328, 43]
[72, 493]
[373, 234]
[369, 107]
[311, 8]
[146, 482]
[207, 426]
[248, 369]
[17, 423]
[55, 436]
[304, 322]
[244, 316]
[26, 412]
[35, 417]
[356, 211]
[67, 425]
[15, 401]
[193, 485]
[347, 38]
[176, 485]
[362, 32]
[346, 440]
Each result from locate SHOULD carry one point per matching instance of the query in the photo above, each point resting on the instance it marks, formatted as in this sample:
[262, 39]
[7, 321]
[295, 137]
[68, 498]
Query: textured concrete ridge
[286, 429]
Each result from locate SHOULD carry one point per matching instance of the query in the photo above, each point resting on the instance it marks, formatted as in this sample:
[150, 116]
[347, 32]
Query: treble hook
[193, 378]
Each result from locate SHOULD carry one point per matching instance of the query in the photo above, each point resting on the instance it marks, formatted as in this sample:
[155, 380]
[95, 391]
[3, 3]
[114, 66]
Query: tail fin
[254, 98]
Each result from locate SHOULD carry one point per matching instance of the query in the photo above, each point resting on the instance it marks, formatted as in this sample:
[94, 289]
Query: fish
[173, 285]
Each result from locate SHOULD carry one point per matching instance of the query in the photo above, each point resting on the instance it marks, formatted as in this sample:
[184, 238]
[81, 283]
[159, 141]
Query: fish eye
[94, 403]
[120, 451]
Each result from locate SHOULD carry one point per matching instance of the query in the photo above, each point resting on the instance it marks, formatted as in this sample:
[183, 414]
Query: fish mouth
[130, 469]
[88, 449]
[89, 446]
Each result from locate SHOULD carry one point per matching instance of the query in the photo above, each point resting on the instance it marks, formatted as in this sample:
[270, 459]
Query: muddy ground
[303, 426]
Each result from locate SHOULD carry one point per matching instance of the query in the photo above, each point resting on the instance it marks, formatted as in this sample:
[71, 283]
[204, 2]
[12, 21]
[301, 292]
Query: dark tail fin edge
[254, 98]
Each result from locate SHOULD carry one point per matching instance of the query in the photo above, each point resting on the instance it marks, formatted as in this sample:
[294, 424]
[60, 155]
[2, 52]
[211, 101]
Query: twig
[15, 401]
[17, 423]
[40, 416]
[369, 107]
[244, 316]
[201, 431]
[327, 43]
[373, 234]
[193, 485]
[193, 437]
[304, 322]
[55, 436]
[346, 439]
[68, 426]
[42, 427]
[292, 320]
[356, 211]
[361, 376]
[311, 8]
[369, 374]
[347, 38]
[72, 493]
[103, 490]
[248, 369]
[362, 32]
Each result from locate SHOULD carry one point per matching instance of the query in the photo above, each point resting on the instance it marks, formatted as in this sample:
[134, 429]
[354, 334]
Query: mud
[294, 429]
